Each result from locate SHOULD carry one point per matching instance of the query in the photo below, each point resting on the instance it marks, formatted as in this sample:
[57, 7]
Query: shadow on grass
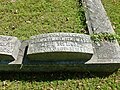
[43, 76]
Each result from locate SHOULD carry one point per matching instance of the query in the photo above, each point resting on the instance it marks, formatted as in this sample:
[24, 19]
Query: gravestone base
[61, 67]
[72, 68]
[9, 68]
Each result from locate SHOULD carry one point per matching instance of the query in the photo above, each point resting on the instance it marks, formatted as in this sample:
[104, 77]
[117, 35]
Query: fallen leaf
[117, 81]
[12, 0]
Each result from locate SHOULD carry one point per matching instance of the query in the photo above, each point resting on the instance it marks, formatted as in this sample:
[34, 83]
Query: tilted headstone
[60, 46]
[9, 48]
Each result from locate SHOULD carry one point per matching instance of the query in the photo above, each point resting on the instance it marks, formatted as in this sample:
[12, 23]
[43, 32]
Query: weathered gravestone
[65, 51]
[9, 48]
[98, 22]
[60, 46]
[96, 17]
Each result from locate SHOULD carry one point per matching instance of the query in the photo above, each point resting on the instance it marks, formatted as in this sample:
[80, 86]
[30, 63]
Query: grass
[113, 12]
[25, 18]
[59, 81]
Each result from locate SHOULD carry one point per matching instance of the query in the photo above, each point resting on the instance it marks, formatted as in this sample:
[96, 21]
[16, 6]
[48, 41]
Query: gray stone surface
[60, 46]
[76, 48]
[9, 48]
[96, 17]
[22, 53]
[104, 52]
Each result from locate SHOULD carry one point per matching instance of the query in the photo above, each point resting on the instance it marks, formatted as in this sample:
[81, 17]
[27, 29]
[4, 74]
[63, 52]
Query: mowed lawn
[59, 81]
[24, 18]
[113, 12]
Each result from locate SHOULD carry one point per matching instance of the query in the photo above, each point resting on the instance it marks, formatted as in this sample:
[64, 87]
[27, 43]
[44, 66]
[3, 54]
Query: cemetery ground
[27, 18]
[21, 18]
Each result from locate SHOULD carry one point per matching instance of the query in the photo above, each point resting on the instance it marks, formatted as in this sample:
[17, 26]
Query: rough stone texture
[106, 57]
[98, 22]
[22, 53]
[9, 48]
[96, 16]
[105, 53]
[60, 46]
[107, 50]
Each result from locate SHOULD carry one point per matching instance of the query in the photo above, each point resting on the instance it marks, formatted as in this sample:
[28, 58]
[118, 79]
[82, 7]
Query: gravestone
[98, 22]
[64, 51]
[9, 48]
[96, 17]
[60, 46]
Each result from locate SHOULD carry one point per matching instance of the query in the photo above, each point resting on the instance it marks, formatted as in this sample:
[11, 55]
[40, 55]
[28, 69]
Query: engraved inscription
[6, 46]
[58, 42]
[61, 37]
[3, 38]
[9, 47]
[59, 46]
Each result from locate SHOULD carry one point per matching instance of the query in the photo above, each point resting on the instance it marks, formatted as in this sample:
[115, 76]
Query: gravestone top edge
[7, 38]
[56, 34]
[60, 40]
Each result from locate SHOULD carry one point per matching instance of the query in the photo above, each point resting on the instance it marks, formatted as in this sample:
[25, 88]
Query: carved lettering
[9, 47]
[3, 38]
[6, 50]
[60, 42]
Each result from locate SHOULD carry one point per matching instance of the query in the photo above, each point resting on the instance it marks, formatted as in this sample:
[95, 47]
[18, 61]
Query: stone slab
[9, 48]
[105, 52]
[106, 57]
[60, 46]
[22, 53]
[96, 17]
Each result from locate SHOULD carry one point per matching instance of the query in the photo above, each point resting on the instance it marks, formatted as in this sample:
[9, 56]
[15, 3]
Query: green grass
[113, 12]
[25, 18]
[59, 81]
